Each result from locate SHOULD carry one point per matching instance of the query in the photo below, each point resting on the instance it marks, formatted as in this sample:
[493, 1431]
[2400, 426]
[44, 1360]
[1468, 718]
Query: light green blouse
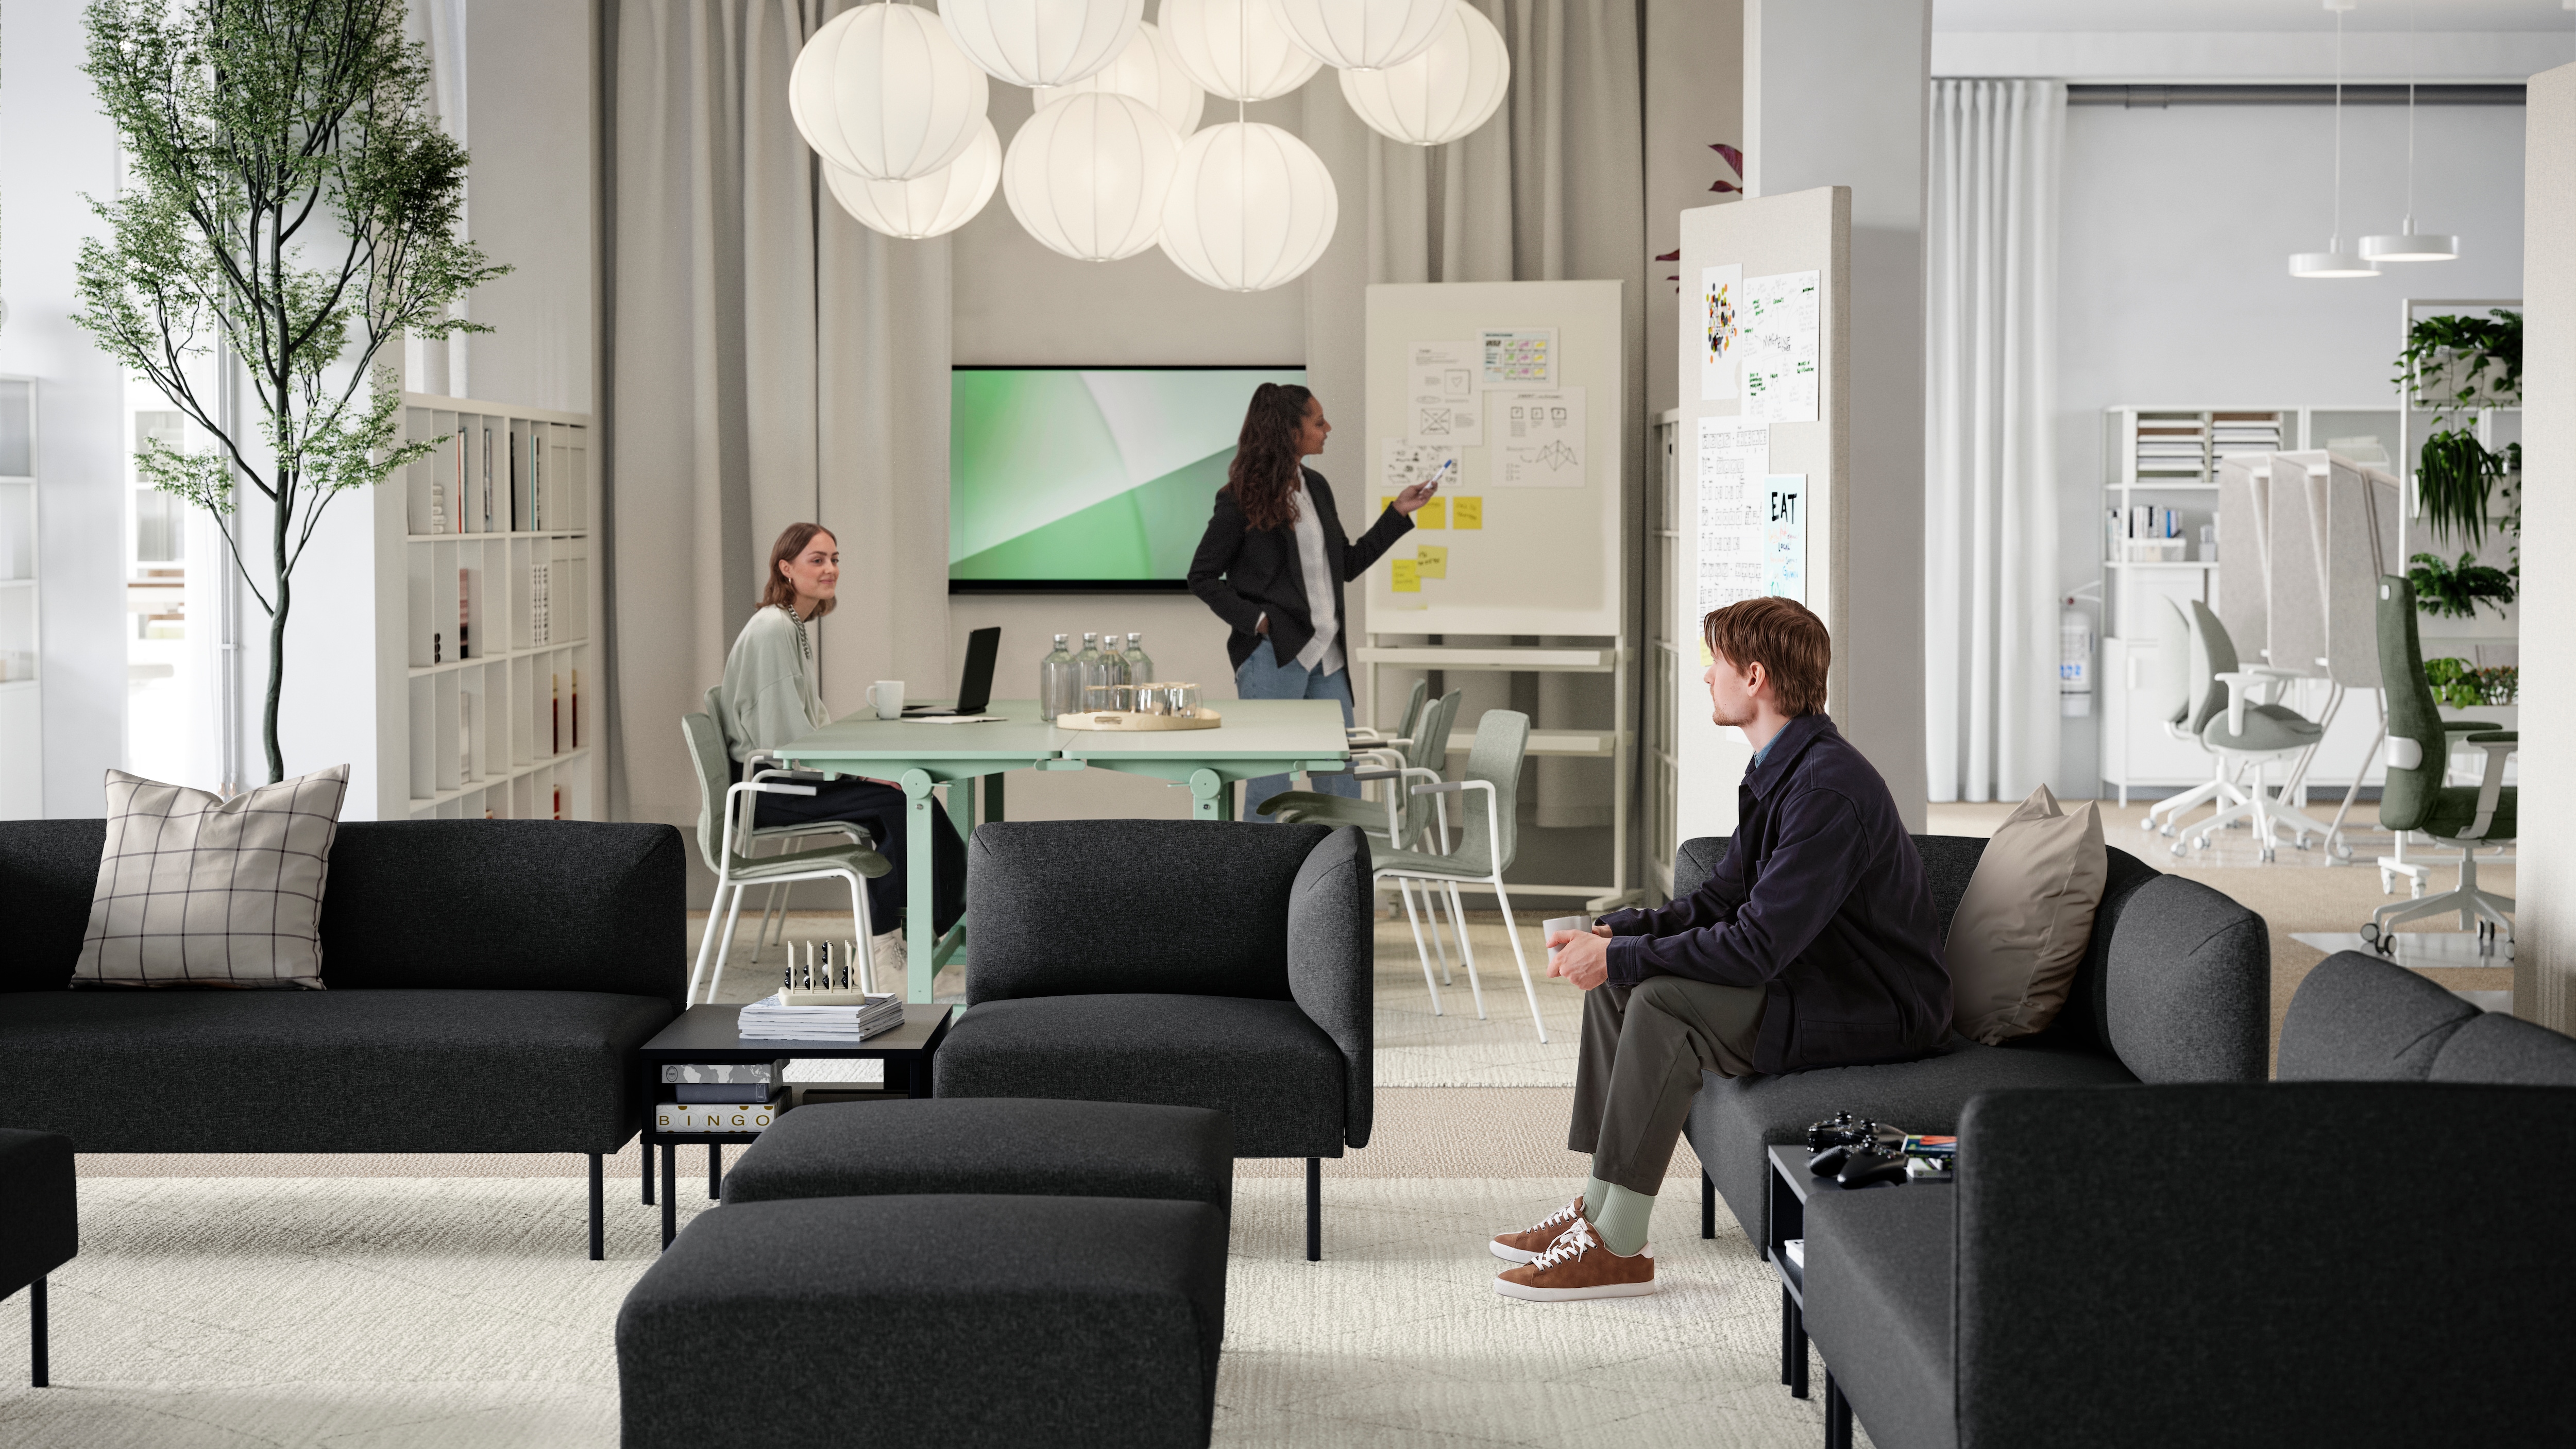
[769, 695]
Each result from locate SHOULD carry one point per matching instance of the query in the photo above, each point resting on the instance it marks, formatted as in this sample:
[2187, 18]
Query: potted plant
[2454, 364]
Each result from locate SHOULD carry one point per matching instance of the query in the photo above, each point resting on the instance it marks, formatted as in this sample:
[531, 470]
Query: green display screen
[1089, 477]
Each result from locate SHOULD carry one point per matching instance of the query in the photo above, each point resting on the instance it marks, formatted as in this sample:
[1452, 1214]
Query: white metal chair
[2171, 700]
[2250, 730]
[724, 822]
[1488, 838]
[849, 830]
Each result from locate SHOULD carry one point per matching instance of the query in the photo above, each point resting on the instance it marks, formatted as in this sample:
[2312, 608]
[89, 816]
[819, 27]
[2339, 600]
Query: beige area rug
[369, 1313]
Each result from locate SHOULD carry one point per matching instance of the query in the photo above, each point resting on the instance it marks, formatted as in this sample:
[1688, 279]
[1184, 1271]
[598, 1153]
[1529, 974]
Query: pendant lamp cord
[2337, 244]
[2410, 119]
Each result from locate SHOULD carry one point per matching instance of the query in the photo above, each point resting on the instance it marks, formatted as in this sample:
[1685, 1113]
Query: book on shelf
[772, 1019]
[728, 1093]
[464, 613]
[728, 1073]
[715, 1117]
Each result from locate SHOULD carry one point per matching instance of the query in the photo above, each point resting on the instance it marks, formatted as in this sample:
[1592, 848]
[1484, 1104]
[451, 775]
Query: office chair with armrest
[849, 830]
[724, 823]
[2241, 722]
[2417, 796]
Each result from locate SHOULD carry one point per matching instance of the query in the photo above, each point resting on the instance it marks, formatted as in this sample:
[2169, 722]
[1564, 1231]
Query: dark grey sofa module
[2362, 1018]
[947, 1320]
[990, 1146]
[39, 1226]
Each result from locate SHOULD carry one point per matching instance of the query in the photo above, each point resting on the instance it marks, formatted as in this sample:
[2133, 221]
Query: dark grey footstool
[40, 1205]
[990, 1145]
[928, 1319]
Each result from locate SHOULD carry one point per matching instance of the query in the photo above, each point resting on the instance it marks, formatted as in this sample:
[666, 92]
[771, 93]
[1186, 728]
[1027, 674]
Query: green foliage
[2454, 591]
[290, 208]
[2434, 344]
[2462, 685]
[2456, 476]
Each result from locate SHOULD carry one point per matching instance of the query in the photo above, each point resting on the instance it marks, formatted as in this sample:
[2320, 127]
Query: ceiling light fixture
[2334, 261]
[2408, 244]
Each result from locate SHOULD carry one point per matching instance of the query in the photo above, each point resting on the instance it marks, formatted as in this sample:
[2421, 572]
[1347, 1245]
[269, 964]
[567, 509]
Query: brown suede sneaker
[1525, 1245]
[1577, 1266]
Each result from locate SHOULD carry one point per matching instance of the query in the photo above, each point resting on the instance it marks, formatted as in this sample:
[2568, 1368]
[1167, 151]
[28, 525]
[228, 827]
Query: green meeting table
[1260, 737]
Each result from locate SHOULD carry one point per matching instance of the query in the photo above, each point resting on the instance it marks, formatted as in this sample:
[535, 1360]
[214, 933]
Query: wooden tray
[1130, 722]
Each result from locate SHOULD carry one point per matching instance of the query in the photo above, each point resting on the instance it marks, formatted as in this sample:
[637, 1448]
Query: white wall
[2544, 974]
[2174, 285]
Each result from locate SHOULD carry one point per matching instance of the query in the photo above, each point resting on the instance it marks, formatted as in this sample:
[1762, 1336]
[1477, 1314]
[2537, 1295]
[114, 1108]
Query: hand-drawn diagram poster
[1721, 291]
[1779, 344]
[1440, 395]
[1733, 456]
[1784, 537]
[1535, 439]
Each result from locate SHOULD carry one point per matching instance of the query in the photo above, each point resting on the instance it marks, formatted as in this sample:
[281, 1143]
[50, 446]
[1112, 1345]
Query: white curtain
[1991, 602]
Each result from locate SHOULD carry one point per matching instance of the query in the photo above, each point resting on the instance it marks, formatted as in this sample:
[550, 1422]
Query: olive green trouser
[1644, 1048]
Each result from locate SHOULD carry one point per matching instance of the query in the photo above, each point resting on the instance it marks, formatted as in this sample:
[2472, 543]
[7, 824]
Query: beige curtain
[767, 360]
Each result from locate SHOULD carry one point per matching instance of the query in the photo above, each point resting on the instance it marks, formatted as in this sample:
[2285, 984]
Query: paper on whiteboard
[1734, 456]
[1778, 340]
[1721, 295]
[1535, 439]
[1402, 462]
[1440, 394]
[1784, 536]
[1517, 356]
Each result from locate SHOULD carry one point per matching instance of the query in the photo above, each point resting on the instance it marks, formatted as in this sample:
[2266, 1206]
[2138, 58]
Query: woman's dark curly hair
[1263, 476]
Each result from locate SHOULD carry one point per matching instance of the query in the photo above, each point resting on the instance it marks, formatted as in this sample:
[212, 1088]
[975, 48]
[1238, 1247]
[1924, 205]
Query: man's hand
[1579, 958]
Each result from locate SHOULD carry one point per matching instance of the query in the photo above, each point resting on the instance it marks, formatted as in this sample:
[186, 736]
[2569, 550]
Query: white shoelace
[1567, 1213]
[1571, 1244]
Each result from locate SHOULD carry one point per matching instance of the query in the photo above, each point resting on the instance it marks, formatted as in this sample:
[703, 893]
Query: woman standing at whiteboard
[1274, 560]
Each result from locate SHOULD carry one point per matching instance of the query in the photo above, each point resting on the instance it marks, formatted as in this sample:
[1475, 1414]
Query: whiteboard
[1544, 556]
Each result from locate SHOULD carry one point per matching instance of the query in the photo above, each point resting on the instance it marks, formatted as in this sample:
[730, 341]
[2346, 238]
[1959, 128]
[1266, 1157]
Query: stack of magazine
[855, 1017]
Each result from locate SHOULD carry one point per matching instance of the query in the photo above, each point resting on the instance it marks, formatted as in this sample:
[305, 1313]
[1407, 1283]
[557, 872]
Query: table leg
[715, 1171]
[1797, 1352]
[644, 1154]
[961, 806]
[670, 1191]
[1211, 796]
[993, 796]
[919, 937]
[916, 1074]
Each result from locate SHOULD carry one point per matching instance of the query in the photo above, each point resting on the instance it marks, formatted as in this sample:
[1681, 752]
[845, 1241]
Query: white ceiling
[2250, 15]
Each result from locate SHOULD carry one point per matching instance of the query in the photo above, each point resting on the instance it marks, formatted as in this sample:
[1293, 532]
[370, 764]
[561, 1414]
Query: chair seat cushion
[2267, 727]
[990, 1145]
[1263, 1063]
[327, 1071]
[38, 1200]
[975, 1321]
[1735, 1121]
[1313, 807]
[1881, 1273]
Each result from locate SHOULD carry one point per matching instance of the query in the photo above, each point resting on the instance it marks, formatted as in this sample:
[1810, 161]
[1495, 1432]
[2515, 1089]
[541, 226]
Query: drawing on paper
[1440, 394]
[1733, 453]
[1778, 346]
[1535, 439]
[1721, 292]
[1518, 357]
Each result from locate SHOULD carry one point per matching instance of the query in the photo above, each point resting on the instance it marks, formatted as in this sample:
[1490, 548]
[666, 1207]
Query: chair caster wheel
[2200, 842]
[2177, 848]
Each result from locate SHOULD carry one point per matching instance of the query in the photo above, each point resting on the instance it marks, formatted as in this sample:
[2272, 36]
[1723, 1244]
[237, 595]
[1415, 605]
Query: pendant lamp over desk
[2406, 244]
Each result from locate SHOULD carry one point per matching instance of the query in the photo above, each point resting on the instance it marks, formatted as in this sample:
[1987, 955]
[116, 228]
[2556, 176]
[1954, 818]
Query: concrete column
[2544, 968]
[1835, 94]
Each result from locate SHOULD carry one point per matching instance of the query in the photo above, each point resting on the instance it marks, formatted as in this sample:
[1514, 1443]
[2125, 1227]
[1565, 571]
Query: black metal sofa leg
[598, 1207]
[715, 1172]
[1707, 1204]
[1314, 1209]
[42, 1377]
[1838, 1415]
[644, 1151]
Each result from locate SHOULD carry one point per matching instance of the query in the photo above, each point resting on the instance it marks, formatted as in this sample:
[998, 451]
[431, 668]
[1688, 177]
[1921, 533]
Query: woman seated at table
[770, 700]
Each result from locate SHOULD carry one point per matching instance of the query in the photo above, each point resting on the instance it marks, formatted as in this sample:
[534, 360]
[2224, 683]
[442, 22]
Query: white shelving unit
[22, 733]
[489, 540]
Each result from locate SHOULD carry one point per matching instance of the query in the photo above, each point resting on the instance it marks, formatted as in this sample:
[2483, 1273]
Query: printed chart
[1536, 438]
[1779, 347]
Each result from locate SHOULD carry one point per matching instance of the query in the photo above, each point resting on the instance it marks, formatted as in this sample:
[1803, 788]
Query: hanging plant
[2455, 476]
[2454, 591]
[2459, 684]
[2473, 361]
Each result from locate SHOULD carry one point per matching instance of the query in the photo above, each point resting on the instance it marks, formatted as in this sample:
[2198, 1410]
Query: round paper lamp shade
[1087, 175]
[1441, 94]
[1252, 207]
[1363, 34]
[1148, 70]
[882, 91]
[925, 206]
[1041, 42]
[1236, 50]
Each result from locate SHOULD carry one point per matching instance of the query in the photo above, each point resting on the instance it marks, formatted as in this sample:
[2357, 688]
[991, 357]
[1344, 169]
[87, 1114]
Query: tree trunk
[284, 596]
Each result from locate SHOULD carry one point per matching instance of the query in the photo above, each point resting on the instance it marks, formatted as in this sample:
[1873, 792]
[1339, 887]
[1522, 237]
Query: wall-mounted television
[1088, 478]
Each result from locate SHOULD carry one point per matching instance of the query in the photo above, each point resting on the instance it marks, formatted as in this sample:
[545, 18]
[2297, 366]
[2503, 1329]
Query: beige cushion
[2022, 927]
[199, 891]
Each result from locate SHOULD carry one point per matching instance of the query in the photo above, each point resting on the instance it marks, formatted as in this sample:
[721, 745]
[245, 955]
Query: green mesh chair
[1403, 820]
[1489, 834]
[849, 830]
[724, 826]
[2239, 721]
[2418, 798]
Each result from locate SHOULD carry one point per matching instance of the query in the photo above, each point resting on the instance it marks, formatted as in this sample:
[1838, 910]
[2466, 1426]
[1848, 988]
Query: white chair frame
[738, 801]
[775, 903]
[1430, 897]
[1494, 879]
[2260, 685]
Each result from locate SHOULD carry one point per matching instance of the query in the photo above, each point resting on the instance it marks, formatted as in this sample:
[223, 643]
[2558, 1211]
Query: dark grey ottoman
[990, 1145]
[928, 1319]
[40, 1205]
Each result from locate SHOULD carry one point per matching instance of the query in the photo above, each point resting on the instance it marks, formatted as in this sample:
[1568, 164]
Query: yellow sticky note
[1385, 501]
[1406, 576]
[1431, 561]
[1471, 512]
[1432, 514]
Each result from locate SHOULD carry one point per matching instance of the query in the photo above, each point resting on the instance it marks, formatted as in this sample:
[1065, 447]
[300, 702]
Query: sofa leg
[644, 1153]
[670, 1192]
[715, 1172]
[1707, 1204]
[1838, 1415]
[1314, 1209]
[598, 1207]
[1788, 1326]
[1798, 1352]
[42, 1377]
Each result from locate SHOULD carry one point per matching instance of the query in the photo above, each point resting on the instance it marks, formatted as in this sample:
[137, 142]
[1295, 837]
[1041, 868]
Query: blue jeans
[1264, 677]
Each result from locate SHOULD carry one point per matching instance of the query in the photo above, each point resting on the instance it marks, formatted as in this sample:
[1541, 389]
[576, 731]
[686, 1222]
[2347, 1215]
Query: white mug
[1579, 925]
[887, 696]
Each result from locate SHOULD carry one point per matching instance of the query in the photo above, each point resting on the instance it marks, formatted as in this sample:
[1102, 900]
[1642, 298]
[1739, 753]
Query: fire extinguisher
[2074, 662]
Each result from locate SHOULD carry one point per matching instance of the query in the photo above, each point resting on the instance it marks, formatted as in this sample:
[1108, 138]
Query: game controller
[1835, 1140]
[1870, 1166]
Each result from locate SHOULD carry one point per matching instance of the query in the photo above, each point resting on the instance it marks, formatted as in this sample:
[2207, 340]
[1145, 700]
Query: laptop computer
[975, 686]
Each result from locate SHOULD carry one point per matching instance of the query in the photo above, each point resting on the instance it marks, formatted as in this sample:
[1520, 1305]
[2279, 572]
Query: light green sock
[1621, 1221]
[1595, 1193]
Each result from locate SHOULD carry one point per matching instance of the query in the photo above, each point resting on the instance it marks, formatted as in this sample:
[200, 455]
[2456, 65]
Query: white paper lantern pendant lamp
[883, 92]
[2407, 244]
[1364, 34]
[1252, 207]
[1148, 70]
[1236, 50]
[2334, 261]
[1442, 94]
[925, 206]
[1041, 42]
[1088, 175]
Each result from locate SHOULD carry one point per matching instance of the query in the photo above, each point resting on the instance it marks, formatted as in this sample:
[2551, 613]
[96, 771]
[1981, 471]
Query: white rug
[368, 1313]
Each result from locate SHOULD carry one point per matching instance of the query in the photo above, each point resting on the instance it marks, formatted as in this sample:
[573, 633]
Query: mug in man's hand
[1574, 925]
[886, 696]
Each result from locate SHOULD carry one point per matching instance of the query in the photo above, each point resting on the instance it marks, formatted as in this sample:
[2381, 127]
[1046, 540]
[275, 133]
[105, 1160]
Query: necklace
[803, 649]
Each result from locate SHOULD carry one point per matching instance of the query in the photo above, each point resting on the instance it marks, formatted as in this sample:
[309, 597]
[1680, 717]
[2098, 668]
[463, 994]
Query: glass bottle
[1059, 682]
[1106, 666]
[1085, 664]
[1140, 665]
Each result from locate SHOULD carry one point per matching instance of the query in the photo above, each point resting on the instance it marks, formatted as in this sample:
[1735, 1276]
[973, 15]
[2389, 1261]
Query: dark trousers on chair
[1644, 1048]
[879, 808]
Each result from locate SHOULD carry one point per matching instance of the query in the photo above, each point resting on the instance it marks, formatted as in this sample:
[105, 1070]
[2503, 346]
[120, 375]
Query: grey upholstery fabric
[1000, 1321]
[327, 1071]
[2498, 1048]
[48, 871]
[39, 1203]
[2357, 1018]
[990, 1146]
[1261, 1062]
[2189, 990]
[1735, 1121]
[1949, 863]
[1332, 964]
[1091, 906]
[2239, 1264]
[1880, 1270]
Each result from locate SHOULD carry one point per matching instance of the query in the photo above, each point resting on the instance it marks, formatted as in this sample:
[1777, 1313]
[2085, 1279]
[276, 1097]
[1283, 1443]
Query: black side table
[1791, 1182]
[710, 1034]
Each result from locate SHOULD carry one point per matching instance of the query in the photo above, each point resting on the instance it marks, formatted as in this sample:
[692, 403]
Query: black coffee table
[709, 1034]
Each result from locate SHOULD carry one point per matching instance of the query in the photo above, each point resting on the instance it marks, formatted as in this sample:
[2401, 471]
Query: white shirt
[1323, 653]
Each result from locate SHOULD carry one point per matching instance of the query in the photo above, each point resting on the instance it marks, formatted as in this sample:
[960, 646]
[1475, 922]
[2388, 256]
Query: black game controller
[1841, 1129]
[1835, 1141]
[1830, 1161]
[1870, 1166]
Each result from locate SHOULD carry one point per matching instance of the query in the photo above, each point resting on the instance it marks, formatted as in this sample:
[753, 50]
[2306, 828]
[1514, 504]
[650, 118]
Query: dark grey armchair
[1189, 963]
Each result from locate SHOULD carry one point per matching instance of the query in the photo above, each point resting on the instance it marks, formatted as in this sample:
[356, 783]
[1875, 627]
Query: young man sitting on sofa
[1813, 945]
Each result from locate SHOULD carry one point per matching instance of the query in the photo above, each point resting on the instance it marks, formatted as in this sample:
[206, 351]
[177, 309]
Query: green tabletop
[1259, 737]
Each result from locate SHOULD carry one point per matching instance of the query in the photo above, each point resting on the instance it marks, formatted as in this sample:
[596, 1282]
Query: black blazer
[1242, 573]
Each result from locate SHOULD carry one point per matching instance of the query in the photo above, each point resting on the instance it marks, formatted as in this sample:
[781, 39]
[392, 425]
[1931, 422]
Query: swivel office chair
[2417, 797]
[2241, 722]
[2170, 698]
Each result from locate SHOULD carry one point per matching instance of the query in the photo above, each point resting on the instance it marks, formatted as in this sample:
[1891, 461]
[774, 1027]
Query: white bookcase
[487, 695]
[22, 739]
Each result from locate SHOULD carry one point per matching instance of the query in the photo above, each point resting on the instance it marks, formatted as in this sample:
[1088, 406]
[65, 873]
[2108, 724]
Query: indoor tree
[289, 208]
